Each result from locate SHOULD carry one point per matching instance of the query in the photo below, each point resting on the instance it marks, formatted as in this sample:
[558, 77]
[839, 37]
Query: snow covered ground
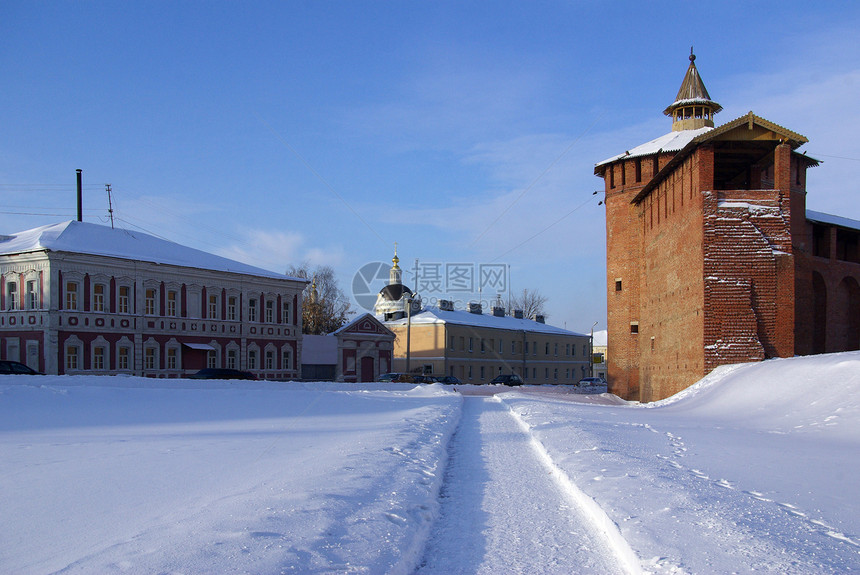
[754, 469]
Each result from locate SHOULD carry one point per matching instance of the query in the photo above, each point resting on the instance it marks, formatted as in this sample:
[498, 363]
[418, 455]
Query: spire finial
[692, 56]
[395, 259]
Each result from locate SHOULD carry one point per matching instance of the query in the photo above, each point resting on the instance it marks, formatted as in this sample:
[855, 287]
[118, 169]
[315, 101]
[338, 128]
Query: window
[500, 346]
[123, 358]
[124, 299]
[231, 359]
[149, 358]
[555, 374]
[350, 364]
[482, 345]
[470, 344]
[32, 295]
[172, 297]
[567, 349]
[252, 310]
[556, 349]
[231, 311]
[287, 359]
[526, 347]
[270, 311]
[462, 344]
[286, 316]
[534, 372]
[534, 348]
[11, 295]
[72, 295]
[584, 350]
[171, 358]
[617, 284]
[470, 372]
[252, 359]
[546, 373]
[99, 297]
[72, 357]
[451, 342]
[213, 307]
[149, 301]
[270, 359]
[546, 351]
[211, 359]
[482, 372]
[98, 358]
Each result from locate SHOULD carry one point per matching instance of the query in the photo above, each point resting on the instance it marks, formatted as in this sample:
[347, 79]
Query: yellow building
[476, 347]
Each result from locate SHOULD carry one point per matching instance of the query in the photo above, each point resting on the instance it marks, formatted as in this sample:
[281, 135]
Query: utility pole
[110, 205]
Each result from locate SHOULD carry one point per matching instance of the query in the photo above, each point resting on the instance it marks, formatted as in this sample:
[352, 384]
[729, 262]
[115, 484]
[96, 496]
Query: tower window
[617, 284]
[634, 327]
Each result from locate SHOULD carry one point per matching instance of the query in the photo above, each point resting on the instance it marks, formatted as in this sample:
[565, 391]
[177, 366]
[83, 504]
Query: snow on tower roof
[671, 142]
[86, 238]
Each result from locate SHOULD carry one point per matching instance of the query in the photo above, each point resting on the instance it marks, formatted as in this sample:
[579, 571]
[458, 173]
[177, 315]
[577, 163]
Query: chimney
[476, 308]
[540, 319]
[518, 313]
[80, 198]
[446, 305]
[498, 311]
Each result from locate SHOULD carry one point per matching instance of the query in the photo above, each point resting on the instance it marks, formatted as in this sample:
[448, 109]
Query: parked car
[508, 379]
[222, 373]
[449, 380]
[589, 381]
[424, 379]
[14, 367]
[396, 378]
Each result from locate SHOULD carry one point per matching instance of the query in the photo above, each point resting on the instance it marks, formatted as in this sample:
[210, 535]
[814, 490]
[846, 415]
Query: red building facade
[77, 297]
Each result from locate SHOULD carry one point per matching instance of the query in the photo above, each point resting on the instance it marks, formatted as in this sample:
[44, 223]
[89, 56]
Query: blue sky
[467, 132]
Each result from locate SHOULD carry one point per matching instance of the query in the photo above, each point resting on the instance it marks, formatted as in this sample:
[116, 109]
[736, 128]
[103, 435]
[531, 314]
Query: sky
[466, 132]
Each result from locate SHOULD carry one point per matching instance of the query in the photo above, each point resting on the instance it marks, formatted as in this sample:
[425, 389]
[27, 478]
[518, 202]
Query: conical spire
[693, 107]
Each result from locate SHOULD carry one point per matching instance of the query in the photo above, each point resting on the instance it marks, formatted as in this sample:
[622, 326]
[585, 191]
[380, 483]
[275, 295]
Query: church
[712, 256]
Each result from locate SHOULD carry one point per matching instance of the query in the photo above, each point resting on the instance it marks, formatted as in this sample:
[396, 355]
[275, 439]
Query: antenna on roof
[110, 205]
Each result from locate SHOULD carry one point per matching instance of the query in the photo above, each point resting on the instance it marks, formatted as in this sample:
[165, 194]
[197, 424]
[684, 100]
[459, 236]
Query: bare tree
[530, 301]
[325, 307]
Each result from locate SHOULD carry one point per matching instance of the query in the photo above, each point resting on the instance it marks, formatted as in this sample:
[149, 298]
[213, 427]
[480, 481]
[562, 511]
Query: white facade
[78, 297]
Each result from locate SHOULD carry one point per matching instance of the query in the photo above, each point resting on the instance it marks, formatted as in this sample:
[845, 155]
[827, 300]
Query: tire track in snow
[505, 508]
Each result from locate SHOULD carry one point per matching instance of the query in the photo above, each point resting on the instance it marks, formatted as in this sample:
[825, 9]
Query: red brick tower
[700, 268]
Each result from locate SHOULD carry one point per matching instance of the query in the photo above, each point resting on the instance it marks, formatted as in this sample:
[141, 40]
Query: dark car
[589, 381]
[424, 379]
[449, 380]
[508, 379]
[396, 378]
[14, 367]
[222, 373]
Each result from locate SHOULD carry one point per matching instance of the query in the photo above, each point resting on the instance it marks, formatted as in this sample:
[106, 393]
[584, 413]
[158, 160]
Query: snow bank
[129, 474]
[753, 469]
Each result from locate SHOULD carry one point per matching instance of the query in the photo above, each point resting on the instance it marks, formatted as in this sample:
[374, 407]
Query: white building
[80, 297]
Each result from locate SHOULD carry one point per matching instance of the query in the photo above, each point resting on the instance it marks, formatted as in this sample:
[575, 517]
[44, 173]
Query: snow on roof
[823, 218]
[460, 317]
[671, 142]
[87, 238]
